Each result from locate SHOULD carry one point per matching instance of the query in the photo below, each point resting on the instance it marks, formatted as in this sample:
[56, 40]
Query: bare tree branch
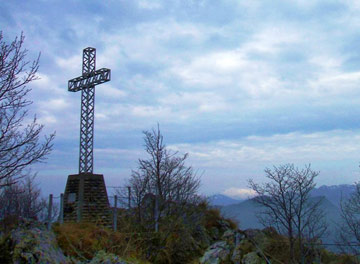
[289, 207]
[22, 200]
[349, 229]
[20, 144]
[164, 179]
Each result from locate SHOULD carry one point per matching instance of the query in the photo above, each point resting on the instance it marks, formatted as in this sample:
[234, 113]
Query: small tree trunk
[291, 248]
[129, 197]
[301, 247]
[156, 213]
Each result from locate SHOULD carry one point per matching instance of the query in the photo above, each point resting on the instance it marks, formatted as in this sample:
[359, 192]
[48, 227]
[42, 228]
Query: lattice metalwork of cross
[86, 84]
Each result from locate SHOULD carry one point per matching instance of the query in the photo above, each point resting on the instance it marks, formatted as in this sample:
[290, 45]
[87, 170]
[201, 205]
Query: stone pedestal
[85, 199]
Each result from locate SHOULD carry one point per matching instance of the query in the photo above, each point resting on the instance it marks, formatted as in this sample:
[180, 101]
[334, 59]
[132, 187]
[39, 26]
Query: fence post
[129, 197]
[115, 213]
[49, 211]
[61, 213]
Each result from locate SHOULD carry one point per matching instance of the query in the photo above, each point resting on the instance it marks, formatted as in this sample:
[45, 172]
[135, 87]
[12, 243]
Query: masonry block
[86, 199]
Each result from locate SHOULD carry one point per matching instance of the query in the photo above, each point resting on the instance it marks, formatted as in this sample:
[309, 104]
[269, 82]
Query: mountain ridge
[245, 212]
[333, 193]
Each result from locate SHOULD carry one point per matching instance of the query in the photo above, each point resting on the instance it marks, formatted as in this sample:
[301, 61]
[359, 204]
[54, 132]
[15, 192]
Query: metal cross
[86, 83]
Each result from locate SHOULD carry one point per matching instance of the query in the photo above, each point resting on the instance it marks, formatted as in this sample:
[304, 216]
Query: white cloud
[148, 42]
[195, 101]
[47, 85]
[47, 118]
[336, 84]
[71, 64]
[274, 38]
[150, 111]
[236, 71]
[213, 80]
[240, 193]
[115, 153]
[281, 148]
[43, 81]
[54, 104]
[109, 91]
[146, 4]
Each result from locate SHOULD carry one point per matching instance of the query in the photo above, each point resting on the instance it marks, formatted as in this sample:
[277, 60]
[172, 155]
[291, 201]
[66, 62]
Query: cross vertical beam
[86, 161]
[86, 83]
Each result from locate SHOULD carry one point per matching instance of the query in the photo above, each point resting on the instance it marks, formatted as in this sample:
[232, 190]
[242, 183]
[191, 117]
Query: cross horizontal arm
[89, 80]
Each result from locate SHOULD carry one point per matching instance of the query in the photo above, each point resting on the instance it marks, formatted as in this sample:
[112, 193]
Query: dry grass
[83, 240]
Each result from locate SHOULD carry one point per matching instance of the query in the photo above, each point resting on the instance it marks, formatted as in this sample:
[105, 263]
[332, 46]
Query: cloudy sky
[239, 85]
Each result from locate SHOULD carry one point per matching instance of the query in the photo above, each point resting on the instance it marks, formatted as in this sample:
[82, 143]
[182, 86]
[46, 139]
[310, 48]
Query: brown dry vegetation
[177, 241]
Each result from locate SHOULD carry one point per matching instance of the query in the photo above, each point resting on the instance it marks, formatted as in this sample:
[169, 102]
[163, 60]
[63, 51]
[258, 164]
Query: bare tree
[22, 200]
[163, 176]
[288, 206]
[349, 229]
[20, 144]
[138, 186]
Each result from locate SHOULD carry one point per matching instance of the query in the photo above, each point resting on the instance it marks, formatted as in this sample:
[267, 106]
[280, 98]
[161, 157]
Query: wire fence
[122, 195]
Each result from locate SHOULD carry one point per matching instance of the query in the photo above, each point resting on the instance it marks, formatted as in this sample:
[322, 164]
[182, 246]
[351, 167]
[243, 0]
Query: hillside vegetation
[212, 239]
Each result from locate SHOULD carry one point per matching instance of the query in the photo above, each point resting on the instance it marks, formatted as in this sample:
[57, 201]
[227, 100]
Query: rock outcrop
[234, 246]
[217, 253]
[107, 258]
[31, 243]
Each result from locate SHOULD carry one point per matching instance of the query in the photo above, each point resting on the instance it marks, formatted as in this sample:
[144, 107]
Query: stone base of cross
[86, 199]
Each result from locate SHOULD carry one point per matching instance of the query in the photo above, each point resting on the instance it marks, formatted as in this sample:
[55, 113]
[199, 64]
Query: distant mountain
[245, 210]
[245, 213]
[334, 193]
[222, 200]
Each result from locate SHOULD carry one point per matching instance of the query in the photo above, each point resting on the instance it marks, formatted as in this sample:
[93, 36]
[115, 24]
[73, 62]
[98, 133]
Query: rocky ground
[31, 242]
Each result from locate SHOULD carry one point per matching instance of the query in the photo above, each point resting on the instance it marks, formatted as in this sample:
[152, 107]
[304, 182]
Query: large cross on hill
[85, 197]
[86, 84]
